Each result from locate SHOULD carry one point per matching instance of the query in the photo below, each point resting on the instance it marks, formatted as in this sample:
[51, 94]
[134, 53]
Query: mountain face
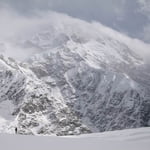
[74, 82]
[35, 106]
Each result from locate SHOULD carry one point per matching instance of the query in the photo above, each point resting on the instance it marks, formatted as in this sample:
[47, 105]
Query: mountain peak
[77, 77]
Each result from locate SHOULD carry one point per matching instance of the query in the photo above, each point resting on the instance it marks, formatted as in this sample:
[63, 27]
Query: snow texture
[76, 81]
[137, 139]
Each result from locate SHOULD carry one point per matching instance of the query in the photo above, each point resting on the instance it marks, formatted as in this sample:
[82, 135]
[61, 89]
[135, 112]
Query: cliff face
[34, 109]
[79, 83]
[105, 97]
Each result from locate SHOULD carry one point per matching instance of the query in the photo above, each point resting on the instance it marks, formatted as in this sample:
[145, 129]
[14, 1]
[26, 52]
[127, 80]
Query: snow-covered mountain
[79, 78]
[34, 107]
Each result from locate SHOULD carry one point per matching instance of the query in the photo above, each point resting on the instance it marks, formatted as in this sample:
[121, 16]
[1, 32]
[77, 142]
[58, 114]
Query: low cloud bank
[15, 29]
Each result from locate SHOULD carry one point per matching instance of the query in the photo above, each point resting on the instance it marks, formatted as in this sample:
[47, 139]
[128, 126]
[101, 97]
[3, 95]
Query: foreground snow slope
[135, 139]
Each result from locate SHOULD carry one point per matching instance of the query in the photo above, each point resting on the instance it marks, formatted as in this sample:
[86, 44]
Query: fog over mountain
[129, 17]
[20, 18]
[64, 72]
[16, 28]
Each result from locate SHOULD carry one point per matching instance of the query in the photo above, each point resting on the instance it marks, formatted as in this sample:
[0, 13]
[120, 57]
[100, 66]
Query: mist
[17, 29]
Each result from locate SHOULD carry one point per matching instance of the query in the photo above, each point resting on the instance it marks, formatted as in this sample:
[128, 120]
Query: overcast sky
[131, 17]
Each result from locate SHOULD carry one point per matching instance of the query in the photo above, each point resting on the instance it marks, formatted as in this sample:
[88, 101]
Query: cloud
[145, 10]
[117, 14]
[145, 7]
[15, 29]
[85, 9]
[146, 33]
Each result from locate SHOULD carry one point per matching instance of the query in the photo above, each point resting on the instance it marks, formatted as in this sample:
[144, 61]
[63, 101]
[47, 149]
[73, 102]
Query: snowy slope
[27, 102]
[74, 81]
[95, 76]
[137, 139]
[95, 94]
